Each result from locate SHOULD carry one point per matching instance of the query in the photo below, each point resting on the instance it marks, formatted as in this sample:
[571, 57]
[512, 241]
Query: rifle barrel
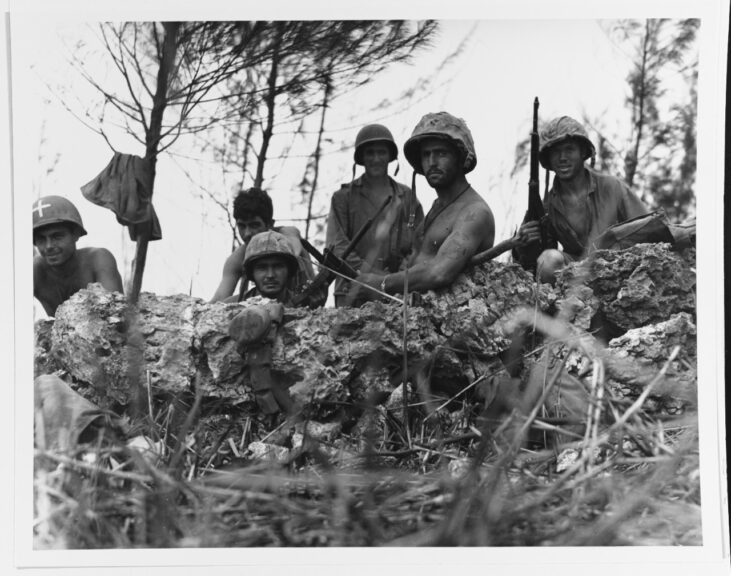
[312, 250]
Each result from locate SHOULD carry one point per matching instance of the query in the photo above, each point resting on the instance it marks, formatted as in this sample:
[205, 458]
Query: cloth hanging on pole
[123, 188]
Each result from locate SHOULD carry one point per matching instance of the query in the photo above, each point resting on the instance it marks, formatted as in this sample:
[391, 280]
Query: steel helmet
[374, 133]
[55, 210]
[269, 243]
[447, 127]
[561, 129]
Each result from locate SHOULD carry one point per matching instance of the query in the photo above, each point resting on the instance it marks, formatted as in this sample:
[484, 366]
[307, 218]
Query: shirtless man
[582, 202]
[459, 224]
[59, 269]
[253, 212]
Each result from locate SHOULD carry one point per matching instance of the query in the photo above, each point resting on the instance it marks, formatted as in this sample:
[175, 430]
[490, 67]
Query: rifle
[329, 259]
[528, 255]
[495, 251]
[536, 212]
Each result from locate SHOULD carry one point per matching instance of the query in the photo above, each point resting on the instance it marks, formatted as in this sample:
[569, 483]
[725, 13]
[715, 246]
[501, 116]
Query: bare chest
[439, 224]
[55, 290]
[576, 211]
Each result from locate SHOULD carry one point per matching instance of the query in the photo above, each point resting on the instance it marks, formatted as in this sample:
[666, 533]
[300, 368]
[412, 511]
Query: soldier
[581, 204]
[459, 224]
[271, 264]
[390, 239]
[253, 212]
[60, 269]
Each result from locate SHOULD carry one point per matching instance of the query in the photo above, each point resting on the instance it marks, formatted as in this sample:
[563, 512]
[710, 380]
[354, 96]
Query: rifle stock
[495, 251]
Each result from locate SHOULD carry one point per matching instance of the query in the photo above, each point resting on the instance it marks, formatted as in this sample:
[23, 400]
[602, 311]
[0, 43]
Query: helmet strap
[397, 168]
[413, 183]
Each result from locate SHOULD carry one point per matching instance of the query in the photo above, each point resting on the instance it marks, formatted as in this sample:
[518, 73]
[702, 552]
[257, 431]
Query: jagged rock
[219, 366]
[270, 452]
[649, 348]
[578, 306]
[473, 313]
[102, 341]
[335, 358]
[655, 343]
[44, 363]
[638, 286]
[325, 357]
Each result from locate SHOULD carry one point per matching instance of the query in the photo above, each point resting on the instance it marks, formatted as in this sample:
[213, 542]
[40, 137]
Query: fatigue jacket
[388, 241]
[609, 202]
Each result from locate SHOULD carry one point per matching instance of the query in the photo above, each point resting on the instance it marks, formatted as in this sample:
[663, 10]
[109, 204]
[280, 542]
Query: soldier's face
[375, 159]
[250, 226]
[440, 162]
[566, 159]
[271, 275]
[56, 243]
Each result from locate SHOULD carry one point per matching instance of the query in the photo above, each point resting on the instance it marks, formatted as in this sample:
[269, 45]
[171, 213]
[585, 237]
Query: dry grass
[614, 474]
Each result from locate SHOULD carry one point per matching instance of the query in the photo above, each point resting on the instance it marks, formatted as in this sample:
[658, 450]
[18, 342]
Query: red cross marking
[40, 206]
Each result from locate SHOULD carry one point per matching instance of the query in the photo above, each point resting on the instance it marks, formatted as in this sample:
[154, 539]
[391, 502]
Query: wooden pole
[152, 144]
[138, 267]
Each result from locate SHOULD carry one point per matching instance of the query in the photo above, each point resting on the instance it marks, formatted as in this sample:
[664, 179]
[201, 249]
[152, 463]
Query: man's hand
[529, 232]
[372, 280]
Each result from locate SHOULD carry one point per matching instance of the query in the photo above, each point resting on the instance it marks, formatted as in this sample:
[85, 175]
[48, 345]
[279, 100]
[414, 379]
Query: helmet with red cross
[56, 210]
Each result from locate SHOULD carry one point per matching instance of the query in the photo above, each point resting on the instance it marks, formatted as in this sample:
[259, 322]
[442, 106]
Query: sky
[491, 85]
[560, 55]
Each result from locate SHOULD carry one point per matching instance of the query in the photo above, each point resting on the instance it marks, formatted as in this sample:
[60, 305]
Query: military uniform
[391, 237]
[609, 202]
[388, 240]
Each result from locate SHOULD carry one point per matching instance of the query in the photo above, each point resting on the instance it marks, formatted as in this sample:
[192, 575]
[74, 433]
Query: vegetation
[622, 471]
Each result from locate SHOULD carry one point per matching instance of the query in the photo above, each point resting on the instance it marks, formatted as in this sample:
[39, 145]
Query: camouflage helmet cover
[558, 130]
[269, 244]
[374, 133]
[49, 210]
[447, 127]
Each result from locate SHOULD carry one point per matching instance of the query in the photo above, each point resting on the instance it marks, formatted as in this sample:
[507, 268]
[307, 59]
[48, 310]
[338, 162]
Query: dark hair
[253, 202]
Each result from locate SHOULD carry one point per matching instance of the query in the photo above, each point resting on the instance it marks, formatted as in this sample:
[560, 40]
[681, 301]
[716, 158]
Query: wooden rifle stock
[495, 251]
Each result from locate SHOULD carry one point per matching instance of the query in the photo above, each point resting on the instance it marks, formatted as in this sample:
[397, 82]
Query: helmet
[55, 210]
[447, 127]
[269, 243]
[558, 130]
[374, 133]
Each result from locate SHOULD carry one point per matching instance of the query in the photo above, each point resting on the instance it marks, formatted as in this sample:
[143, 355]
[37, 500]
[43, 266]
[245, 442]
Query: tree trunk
[270, 102]
[318, 151]
[633, 158]
[152, 141]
